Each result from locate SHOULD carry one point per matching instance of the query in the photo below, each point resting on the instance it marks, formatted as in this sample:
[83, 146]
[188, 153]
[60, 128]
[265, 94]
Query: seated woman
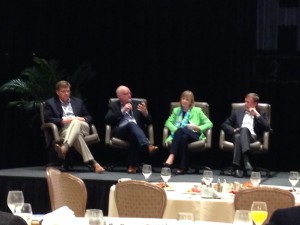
[187, 124]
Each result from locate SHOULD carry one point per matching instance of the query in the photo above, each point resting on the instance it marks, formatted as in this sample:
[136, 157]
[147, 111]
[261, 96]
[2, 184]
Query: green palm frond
[37, 82]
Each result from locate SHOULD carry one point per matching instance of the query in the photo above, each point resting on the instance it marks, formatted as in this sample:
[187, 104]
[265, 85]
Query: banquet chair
[140, 199]
[68, 190]
[274, 197]
[119, 144]
[51, 134]
[197, 146]
[258, 147]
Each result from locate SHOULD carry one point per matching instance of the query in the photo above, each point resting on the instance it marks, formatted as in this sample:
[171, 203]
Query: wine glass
[15, 199]
[165, 174]
[185, 218]
[294, 178]
[94, 216]
[147, 171]
[255, 179]
[242, 217]
[25, 211]
[259, 212]
[207, 177]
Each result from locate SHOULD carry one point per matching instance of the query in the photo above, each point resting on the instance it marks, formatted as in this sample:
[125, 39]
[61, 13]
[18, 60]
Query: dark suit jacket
[10, 219]
[236, 119]
[54, 111]
[114, 114]
[287, 216]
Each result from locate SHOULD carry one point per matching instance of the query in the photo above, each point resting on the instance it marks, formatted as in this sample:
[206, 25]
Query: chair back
[140, 199]
[274, 197]
[197, 146]
[203, 105]
[66, 189]
[121, 144]
[261, 107]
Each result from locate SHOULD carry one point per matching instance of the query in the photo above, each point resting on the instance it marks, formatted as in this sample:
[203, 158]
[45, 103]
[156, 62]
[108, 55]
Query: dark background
[219, 49]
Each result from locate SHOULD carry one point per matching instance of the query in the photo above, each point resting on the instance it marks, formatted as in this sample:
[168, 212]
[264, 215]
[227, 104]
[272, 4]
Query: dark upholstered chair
[116, 143]
[197, 146]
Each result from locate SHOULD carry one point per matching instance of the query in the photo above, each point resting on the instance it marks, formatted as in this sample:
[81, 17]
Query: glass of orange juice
[259, 212]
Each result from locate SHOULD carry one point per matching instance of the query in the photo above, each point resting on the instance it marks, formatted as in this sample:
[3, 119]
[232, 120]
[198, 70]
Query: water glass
[147, 171]
[185, 218]
[255, 179]
[25, 211]
[94, 216]
[15, 199]
[207, 177]
[242, 217]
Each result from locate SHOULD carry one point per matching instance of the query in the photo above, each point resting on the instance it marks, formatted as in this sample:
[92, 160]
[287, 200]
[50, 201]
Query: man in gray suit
[243, 127]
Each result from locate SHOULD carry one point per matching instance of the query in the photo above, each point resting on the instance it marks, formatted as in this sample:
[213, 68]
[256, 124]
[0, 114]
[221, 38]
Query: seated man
[72, 119]
[127, 118]
[287, 216]
[245, 126]
[10, 219]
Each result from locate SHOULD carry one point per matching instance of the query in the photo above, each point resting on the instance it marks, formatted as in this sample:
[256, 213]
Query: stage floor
[32, 181]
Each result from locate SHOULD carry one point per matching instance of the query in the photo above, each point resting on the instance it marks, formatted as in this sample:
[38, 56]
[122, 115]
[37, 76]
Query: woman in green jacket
[187, 124]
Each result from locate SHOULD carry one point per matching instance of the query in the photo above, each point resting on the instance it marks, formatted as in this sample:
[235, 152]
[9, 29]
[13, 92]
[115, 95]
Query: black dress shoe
[180, 172]
[247, 163]
[167, 165]
[239, 173]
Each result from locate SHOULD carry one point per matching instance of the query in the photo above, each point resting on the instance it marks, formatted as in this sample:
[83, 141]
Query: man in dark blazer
[72, 119]
[245, 126]
[286, 216]
[10, 219]
[127, 118]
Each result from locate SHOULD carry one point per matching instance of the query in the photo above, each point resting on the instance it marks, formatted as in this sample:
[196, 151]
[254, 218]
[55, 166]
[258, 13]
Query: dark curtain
[218, 49]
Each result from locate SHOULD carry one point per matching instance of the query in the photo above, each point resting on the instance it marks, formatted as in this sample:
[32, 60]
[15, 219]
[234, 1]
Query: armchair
[116, 143]
[51, 134]
[257, 147]
[197, 146]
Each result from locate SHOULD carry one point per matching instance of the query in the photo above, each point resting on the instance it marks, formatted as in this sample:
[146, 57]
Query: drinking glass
[207, 177]
[294, 178]
[15, 199]
[185, 218]
[259, 212]
[147, 171]
[255, 179]
[165, 174]
[25, 211]
[94, 216]
[242, 217]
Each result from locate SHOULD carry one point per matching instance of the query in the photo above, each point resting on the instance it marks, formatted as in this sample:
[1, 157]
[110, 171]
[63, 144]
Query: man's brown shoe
[98, 168]
[132, 169]
[61, 151]
[152, 148]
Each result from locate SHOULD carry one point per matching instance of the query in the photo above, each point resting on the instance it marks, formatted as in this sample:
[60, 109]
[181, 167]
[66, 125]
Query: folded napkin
[61, 216]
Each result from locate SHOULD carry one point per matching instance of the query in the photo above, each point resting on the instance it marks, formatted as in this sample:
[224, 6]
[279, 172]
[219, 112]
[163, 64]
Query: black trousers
[182, 137]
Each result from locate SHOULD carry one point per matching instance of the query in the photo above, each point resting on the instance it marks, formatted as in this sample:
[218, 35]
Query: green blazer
[197, 117]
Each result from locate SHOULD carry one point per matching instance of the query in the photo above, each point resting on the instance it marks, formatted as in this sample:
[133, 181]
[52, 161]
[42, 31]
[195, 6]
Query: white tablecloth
[215, 210]
[146, 221]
